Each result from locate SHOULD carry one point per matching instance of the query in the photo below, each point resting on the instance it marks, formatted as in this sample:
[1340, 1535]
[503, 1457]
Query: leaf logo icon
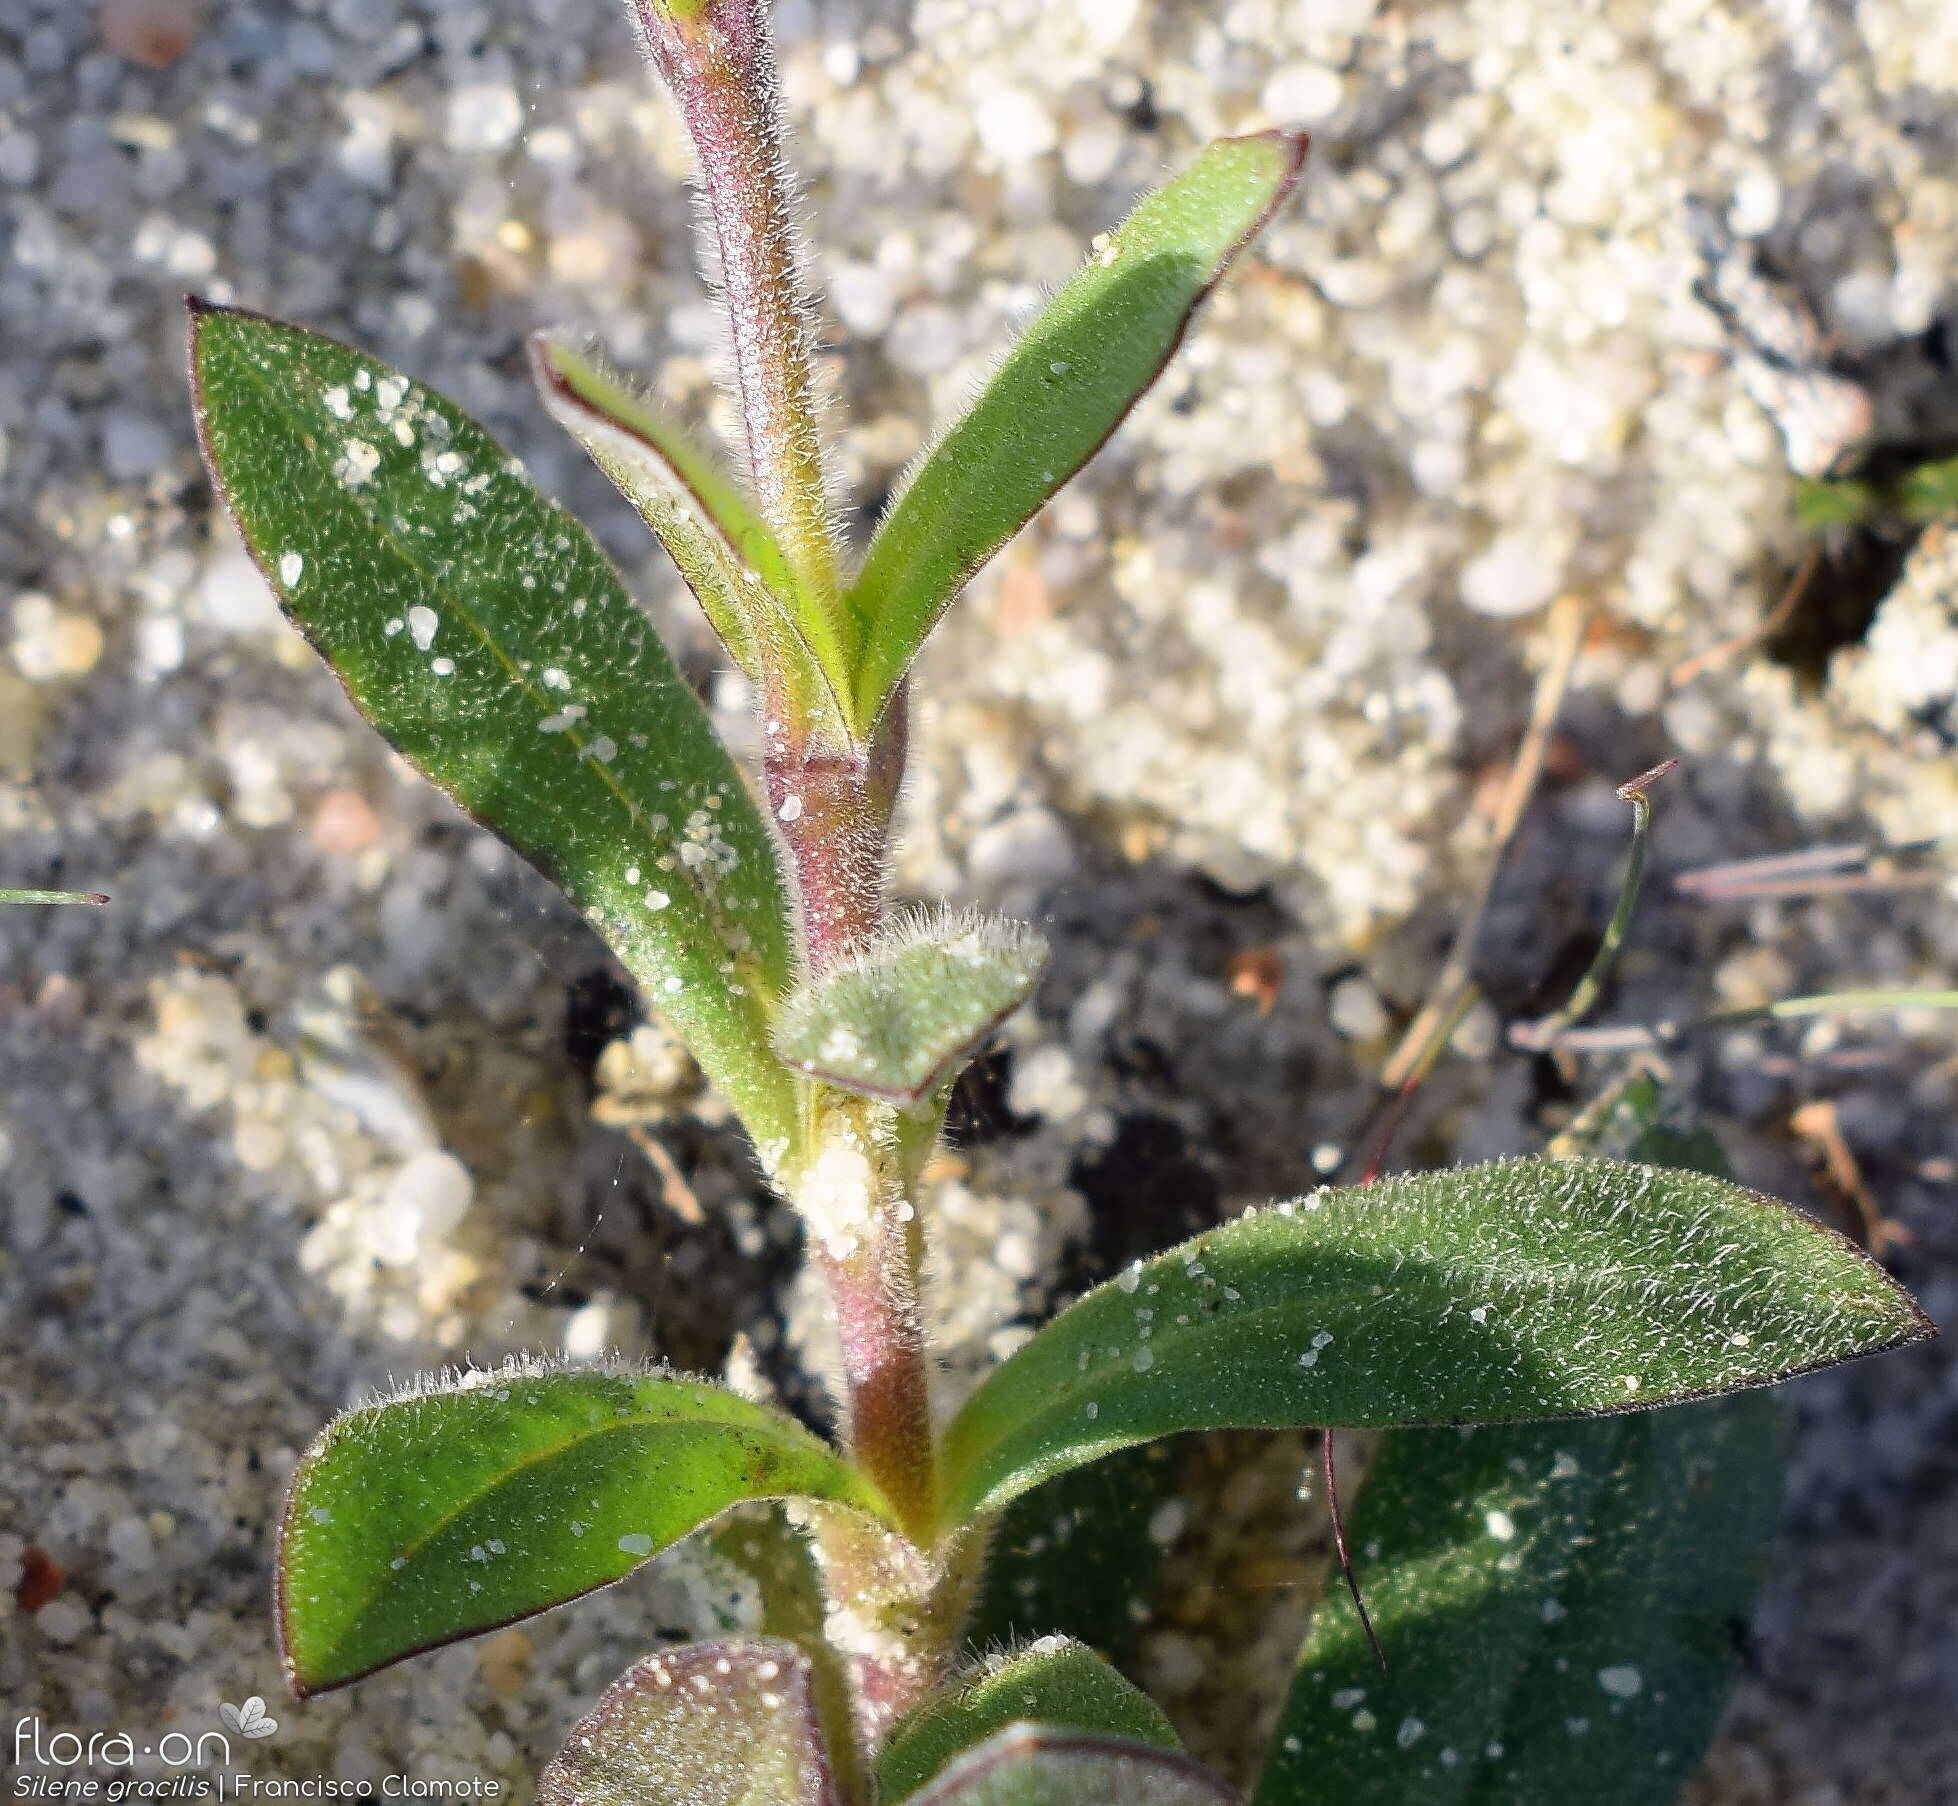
[249, 1720]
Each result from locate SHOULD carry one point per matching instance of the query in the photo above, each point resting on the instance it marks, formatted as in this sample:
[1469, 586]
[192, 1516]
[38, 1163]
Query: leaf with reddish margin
[443, 1514]
[1518, 1290]
[709, 528]
[730, 1723]
[1029, 1765]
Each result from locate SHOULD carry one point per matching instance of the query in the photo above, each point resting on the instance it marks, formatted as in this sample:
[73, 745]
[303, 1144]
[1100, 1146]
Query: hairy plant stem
[715, 57]
[896, 1601]
[831, 804]
[895, 1614]
[854, 1189]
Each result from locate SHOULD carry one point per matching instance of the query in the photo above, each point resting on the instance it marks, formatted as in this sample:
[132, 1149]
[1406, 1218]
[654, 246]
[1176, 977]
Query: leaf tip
[544, 349]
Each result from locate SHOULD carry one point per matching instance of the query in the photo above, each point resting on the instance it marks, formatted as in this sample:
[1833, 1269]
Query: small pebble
[152, 34]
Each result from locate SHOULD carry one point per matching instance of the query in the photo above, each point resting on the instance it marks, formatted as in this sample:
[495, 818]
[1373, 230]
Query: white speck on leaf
[1622, 1681]
[422, 623]
[292, 566]
[1500, 1525]
[639, 1543]
[357, 463]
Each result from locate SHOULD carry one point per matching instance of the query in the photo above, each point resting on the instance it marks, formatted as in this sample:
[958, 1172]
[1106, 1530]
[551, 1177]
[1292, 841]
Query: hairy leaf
[711, 1724]
[900, 1016]
[1606, 1571]
[699, 514]
[1075, 1555]
[447, 1512]
[1083, 363]
[1054, 1683]
[1602, 1573]
[1030, 1765]
[481, 630]
[1522, 1289]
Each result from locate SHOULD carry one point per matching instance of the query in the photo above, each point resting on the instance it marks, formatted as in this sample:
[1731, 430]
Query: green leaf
[1562, 1607]
[1074, 1555]
[1054, 1683]
[1522, 1289]
[1077, 370]
[1031, 1765]
[481, 630]
[1605, 1571]
[726, 1723]
[1929, 492]
[1632, 1120]
[722, 547]
[443, 1513]
[899, 1017]
[1821, 505]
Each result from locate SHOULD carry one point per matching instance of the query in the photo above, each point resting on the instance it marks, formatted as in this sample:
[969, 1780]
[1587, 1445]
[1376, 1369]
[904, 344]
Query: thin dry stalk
[1763, 630]
[1568, 619]
[674, 1192]
[1820, 1126]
